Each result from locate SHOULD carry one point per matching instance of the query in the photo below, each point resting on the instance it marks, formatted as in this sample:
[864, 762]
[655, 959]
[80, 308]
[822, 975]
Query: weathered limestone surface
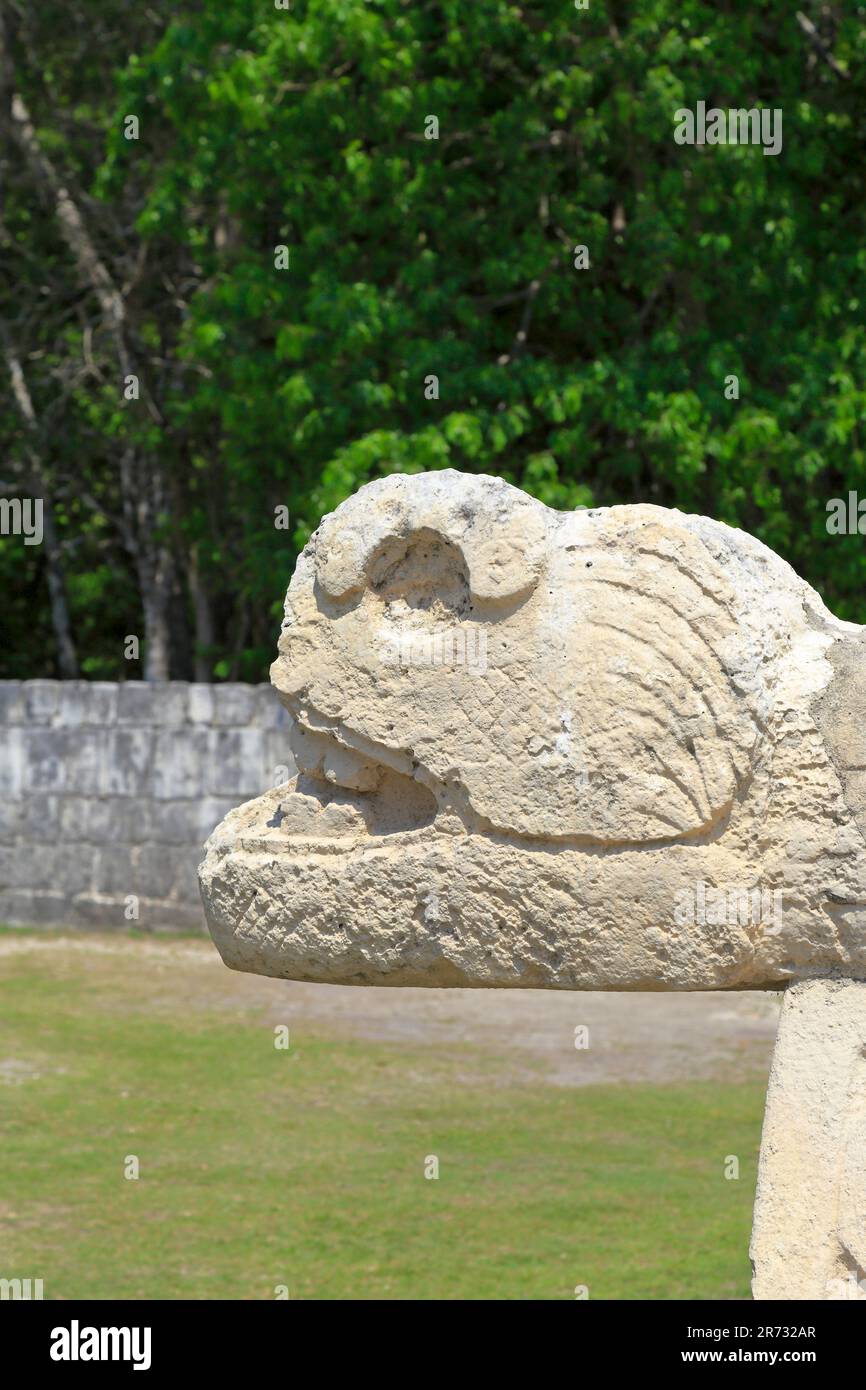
[649, 706]
[611, 749]
[108, 790]
[809, 1233]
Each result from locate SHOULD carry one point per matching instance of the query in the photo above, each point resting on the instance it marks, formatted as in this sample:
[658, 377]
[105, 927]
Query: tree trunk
[242, 628]
[142, 482]
[205, 628]
[155, 586]
[67, 657]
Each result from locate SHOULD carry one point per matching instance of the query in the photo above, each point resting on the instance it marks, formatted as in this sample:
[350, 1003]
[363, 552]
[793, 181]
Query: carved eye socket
[408, 534]
[424, 572]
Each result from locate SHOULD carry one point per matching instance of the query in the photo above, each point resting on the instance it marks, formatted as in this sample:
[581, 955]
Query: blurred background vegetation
[265, 388]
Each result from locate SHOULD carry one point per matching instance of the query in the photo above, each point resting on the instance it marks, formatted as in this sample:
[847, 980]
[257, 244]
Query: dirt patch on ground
[631, 1037]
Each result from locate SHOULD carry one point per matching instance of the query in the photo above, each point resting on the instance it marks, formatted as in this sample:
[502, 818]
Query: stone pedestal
[809, 1232]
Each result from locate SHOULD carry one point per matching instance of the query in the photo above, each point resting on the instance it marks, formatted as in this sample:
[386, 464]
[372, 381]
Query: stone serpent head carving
[611, 749]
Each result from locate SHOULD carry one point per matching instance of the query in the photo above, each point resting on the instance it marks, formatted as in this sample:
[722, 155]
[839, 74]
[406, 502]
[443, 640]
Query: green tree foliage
[411, 258]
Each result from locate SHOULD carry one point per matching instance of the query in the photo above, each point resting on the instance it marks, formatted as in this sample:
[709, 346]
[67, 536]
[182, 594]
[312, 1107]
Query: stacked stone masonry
[110, 790]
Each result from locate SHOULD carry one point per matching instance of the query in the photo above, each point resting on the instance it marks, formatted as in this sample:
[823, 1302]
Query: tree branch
[819, 45]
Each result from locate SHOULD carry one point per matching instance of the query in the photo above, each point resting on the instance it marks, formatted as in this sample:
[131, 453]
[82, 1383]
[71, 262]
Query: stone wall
[108, 792]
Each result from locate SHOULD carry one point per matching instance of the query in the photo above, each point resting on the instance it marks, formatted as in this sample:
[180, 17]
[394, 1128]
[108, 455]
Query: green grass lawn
[305, 1167]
